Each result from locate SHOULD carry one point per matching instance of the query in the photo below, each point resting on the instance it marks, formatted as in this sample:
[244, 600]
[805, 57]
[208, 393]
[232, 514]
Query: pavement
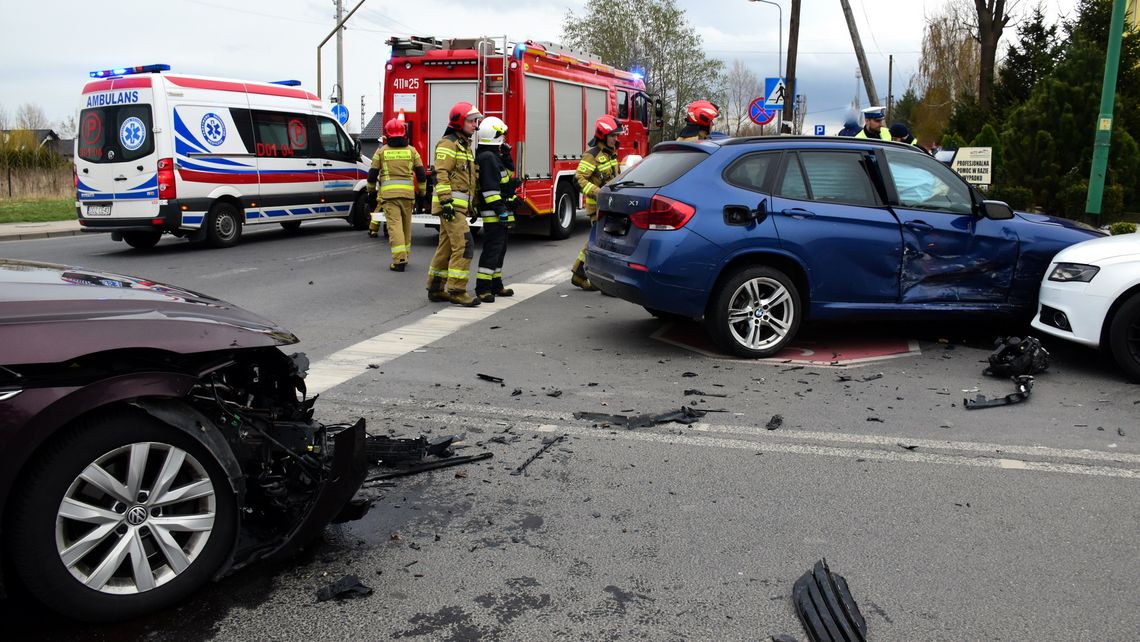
[38, 230]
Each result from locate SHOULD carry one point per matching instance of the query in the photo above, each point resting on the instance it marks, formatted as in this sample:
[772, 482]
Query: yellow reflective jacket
[400, 171]
[599, 165]
[456, 174]
[884, 134]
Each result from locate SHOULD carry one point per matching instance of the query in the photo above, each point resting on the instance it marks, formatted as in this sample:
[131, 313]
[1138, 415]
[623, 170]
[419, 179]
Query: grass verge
[36, 210]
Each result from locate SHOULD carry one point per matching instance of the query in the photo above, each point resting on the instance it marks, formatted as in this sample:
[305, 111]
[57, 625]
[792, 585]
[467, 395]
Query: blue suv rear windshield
[661, 168]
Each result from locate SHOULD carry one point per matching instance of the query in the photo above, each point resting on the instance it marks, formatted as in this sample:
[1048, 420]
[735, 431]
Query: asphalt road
[1011, 523]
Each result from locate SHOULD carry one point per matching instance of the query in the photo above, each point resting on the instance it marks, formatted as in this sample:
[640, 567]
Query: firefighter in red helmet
[599, 165]
[401, 173]
[456, 182]
[699, 117]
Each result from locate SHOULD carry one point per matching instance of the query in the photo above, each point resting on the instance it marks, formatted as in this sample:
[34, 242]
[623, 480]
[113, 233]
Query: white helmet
[492, 131]
[630, 161]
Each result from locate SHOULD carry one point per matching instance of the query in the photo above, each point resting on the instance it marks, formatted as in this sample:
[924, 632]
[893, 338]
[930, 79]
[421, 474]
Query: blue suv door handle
[798, 212]
[919, 225]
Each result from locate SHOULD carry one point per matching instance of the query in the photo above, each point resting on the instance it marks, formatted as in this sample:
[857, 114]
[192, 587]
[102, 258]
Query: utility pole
[1104, 121]
[868, 81]
[890, 84]
[339, 51]
[337, 32]
[790, 76]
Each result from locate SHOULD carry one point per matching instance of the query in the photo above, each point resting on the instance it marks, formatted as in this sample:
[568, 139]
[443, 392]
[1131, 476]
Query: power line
[863, 6]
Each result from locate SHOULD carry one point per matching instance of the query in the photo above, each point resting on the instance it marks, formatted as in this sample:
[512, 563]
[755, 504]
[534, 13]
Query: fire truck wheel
[565, 207]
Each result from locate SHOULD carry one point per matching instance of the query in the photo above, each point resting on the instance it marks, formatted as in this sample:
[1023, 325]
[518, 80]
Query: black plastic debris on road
[775, 422]
[487, 377]
[554, 392]
[1024, 384]
[685, 415]
[391, 450]
[547, 444]
[435, 465]
[348, 586]
[688, 374]
[693, 392]
[826, 607]
[1016, 357]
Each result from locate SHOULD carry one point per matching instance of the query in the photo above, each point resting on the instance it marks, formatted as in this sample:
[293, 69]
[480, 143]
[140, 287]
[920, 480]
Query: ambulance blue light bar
[287, 83]
[127, 71]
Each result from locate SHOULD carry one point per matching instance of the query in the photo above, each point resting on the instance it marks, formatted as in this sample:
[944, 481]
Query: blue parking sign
[819, 130]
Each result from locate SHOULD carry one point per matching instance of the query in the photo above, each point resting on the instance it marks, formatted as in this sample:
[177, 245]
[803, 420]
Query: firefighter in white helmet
[496, 191]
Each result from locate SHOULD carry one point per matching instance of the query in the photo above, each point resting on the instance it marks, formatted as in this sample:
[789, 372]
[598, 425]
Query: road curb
[31, 231]
[38, 235]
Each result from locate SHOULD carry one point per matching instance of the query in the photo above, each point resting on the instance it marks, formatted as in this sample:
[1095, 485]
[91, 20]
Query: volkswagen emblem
[136, 515]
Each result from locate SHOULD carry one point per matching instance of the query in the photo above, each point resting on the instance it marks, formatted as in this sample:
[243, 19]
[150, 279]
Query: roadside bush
[1018, 197]
[1122, 227]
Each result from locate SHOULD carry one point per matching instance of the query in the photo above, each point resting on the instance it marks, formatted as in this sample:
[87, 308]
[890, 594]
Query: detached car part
[826, 608]
[155, 438]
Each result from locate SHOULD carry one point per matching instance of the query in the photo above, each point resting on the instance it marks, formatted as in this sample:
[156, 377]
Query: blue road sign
[819, 130]
[759, 114]
[341, 113]
[774, 90]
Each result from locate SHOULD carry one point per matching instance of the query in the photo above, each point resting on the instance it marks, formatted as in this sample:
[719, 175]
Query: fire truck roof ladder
[493, 84]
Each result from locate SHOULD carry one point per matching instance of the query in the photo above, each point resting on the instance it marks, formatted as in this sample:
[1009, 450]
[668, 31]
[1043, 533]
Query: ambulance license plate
[98, 210]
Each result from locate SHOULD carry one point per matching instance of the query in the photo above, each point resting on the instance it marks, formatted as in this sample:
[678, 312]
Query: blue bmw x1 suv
[755, 235]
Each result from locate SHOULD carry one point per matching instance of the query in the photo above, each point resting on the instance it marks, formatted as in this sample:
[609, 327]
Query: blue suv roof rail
[841, 140]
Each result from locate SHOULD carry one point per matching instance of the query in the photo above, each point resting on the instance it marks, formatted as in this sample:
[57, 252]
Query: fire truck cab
[548, 96]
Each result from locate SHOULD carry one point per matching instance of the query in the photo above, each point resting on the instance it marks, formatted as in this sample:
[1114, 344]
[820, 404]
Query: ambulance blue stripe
[342, 208]
[276, 213]
[180, 128]
[301, 211]
[322, 210]
[192, 219]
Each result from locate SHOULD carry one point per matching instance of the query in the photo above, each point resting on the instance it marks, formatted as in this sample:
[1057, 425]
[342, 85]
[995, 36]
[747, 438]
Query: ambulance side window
[282, 135]
[244, 124]
[623, 104]
[334, 142]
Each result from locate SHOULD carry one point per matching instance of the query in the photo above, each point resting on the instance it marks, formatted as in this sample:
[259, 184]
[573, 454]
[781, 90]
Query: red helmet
[605, 126]
[701, 113]
[395, 128]
[461, 112]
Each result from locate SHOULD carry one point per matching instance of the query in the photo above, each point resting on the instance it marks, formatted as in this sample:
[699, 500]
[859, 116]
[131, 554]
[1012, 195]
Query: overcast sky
[48, 46]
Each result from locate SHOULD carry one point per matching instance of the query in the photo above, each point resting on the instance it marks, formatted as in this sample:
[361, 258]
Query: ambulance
[201, 158]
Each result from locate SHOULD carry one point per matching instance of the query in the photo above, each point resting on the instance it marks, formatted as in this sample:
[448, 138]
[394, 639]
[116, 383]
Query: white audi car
[1091, 295]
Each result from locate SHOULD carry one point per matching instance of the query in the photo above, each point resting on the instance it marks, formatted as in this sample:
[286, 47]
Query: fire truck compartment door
[441, 96]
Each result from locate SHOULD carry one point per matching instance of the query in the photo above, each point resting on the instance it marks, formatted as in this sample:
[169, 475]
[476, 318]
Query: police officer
[456, 179]
[497, 186]
[699, 117]
[873, 124]
[599, 165]
[401, 173]
[901, 134]
[850, 125]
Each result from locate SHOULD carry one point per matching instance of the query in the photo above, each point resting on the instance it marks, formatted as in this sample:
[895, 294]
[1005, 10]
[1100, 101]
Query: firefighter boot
[398, 267]
[461, 297]
[435, 291]
[579, 278]
[499, 289]
[373, 229]
[485, 296]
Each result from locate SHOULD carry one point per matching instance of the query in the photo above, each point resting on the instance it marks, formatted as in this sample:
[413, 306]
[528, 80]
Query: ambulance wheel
[359, 216]
[142, 240]
[223, 225]
[565, 207]
[291, 226]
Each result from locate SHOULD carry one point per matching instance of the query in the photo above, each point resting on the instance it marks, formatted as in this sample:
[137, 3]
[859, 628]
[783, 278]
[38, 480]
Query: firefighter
[401, 172]
[599, 165]
[699, 116]
[497, 186]
[456, 179]
[873, 124]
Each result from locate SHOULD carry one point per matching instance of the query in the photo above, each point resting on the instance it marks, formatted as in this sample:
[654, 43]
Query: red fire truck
[548, 96]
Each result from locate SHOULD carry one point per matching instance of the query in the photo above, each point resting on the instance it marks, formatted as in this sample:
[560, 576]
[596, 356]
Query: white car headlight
[1073, 272]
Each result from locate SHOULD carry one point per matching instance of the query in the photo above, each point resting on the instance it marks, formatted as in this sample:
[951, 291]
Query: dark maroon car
[151, 439]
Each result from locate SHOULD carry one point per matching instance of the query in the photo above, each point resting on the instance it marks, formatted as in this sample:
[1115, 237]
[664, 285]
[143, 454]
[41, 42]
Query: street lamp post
[780, 44]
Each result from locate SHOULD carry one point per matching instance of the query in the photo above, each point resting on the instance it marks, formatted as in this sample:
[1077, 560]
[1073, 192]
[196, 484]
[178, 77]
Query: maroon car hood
[50, 313]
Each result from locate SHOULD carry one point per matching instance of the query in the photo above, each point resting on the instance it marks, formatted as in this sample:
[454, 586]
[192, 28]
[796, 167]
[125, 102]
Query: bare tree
[948, 69]
[67, 127]
[3, 118]
[31, 116]
[992, 18]
[742, 85]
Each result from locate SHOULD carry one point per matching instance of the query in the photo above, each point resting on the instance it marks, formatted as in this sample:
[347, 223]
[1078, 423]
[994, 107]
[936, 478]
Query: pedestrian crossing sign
[774, 90]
